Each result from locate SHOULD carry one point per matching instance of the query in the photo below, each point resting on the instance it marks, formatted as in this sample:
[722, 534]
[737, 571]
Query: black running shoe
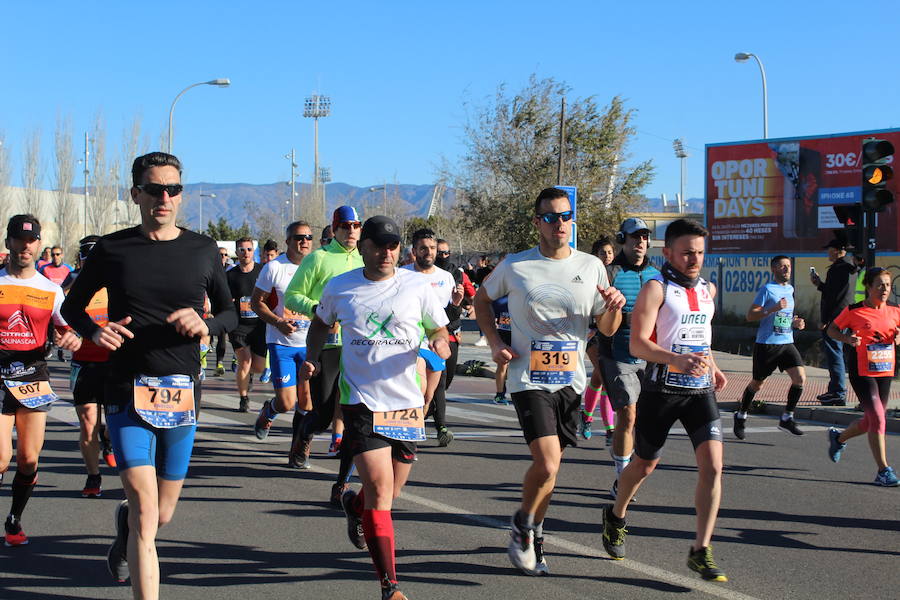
[117, 556]
[739, 426]
[244, 404]
[702, 562]
[354, 521]
[92, 487]
[613, 534]
[790, 426]
[540, 563]
[337, 492]
[298, 456]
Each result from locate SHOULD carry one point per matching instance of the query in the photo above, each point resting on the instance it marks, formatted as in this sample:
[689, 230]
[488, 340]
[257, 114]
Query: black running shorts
[549, 413]
[24, 371]
[359, 436]
[768, 357]
[657, 412]
[88, 382]
[252, 336]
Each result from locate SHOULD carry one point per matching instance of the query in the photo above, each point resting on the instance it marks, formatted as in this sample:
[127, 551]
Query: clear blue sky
[399, 73]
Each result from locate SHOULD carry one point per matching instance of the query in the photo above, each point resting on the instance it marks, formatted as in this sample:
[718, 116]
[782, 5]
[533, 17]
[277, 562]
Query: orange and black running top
[26, 308]
[876, 328]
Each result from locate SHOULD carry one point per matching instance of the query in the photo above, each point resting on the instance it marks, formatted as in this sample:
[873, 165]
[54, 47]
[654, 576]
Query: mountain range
[243, 202]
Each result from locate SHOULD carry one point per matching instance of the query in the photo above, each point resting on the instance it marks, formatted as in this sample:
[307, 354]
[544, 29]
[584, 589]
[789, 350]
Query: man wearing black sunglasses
[554, 291]
[302, 296]
[157, 276]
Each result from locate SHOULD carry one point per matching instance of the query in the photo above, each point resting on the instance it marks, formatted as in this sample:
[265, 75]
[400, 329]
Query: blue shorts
[285, 361]
[137, 443]
[433, 362]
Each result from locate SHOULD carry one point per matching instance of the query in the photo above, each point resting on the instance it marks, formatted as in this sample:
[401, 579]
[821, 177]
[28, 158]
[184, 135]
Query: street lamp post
[743, 57]
[222, 82]
[681, 153]
[383, 189]
[202, 196]
[324, 178]
[314, 107]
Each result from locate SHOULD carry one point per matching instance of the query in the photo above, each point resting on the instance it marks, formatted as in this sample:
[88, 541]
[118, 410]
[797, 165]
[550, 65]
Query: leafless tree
[32, 174]
[6, 208]
[101, 210]
[66, 205]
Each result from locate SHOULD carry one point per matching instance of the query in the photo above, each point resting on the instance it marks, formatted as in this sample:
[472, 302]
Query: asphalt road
[792, 524]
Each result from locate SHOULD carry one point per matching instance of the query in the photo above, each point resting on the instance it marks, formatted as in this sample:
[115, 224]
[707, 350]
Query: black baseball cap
[23, 226]
[381, 230]
[836, 243]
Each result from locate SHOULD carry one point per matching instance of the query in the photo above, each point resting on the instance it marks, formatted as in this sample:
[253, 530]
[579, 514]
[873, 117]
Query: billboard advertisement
[777, 195]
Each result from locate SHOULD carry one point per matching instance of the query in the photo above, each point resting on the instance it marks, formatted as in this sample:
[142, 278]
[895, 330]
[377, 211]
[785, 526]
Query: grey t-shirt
[551, 304]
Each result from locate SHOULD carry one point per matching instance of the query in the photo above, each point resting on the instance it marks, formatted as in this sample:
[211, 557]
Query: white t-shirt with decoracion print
[551, 304]
[274, 279]
[381, 323]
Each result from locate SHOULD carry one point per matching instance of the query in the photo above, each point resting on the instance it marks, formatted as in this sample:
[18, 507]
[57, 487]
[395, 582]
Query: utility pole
[87, 172]
[562, 142]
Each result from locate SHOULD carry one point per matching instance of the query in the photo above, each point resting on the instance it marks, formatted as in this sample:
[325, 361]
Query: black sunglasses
[444, 252]
[299, 237]
[552, 217]
[156, 189]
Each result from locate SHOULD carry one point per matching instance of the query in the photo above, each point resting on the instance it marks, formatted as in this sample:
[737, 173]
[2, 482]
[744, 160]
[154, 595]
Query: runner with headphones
[623, 372]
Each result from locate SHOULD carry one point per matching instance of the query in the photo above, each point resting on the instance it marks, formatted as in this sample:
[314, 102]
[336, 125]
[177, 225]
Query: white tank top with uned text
[684, 325]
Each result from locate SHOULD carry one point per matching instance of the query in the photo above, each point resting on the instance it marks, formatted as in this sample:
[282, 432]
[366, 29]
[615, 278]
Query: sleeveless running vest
[684, 325]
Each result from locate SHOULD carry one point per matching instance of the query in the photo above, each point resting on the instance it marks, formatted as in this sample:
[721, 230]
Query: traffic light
[851, 217]
[876, 172]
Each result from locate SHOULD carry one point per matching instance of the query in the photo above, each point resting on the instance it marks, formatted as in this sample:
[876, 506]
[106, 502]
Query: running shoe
[609, 437]
[234, 365]
[540, 565]
[220, 369]
[790, 426]
[266, 376]
[500, 398]
[244, 404]
[444, 436]
[614, 492]
[117, 556]
[521, 548]
[298, 458]
[354, 521]
[739, 426]
[92, 487]
[15, 535]
[335, 447]
[702, 562]
[106, 450]
[337, 492]
[887, 478]
[613, 534]
[586, 426]
[390, 590]
[481, 343]
[835, 448]
[263, 424]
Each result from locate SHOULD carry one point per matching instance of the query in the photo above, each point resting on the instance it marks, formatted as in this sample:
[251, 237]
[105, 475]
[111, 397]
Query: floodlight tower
[315, 107]
[681, 153]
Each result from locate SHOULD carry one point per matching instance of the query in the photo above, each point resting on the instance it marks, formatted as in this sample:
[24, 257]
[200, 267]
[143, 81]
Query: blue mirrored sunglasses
[552, 217]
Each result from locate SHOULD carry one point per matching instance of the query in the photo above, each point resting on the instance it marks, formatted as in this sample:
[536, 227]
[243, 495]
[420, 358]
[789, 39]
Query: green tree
[222, 231]
[512, 149]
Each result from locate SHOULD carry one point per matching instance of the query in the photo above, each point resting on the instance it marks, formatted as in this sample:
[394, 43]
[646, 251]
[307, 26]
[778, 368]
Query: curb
[836, 416]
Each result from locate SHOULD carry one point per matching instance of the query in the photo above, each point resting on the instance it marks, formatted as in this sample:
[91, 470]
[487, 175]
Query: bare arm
[315, 340]
[259, 306]
[484, 315]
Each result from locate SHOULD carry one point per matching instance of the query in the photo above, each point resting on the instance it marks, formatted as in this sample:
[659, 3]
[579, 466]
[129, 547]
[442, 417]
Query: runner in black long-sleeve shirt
[157, 276]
